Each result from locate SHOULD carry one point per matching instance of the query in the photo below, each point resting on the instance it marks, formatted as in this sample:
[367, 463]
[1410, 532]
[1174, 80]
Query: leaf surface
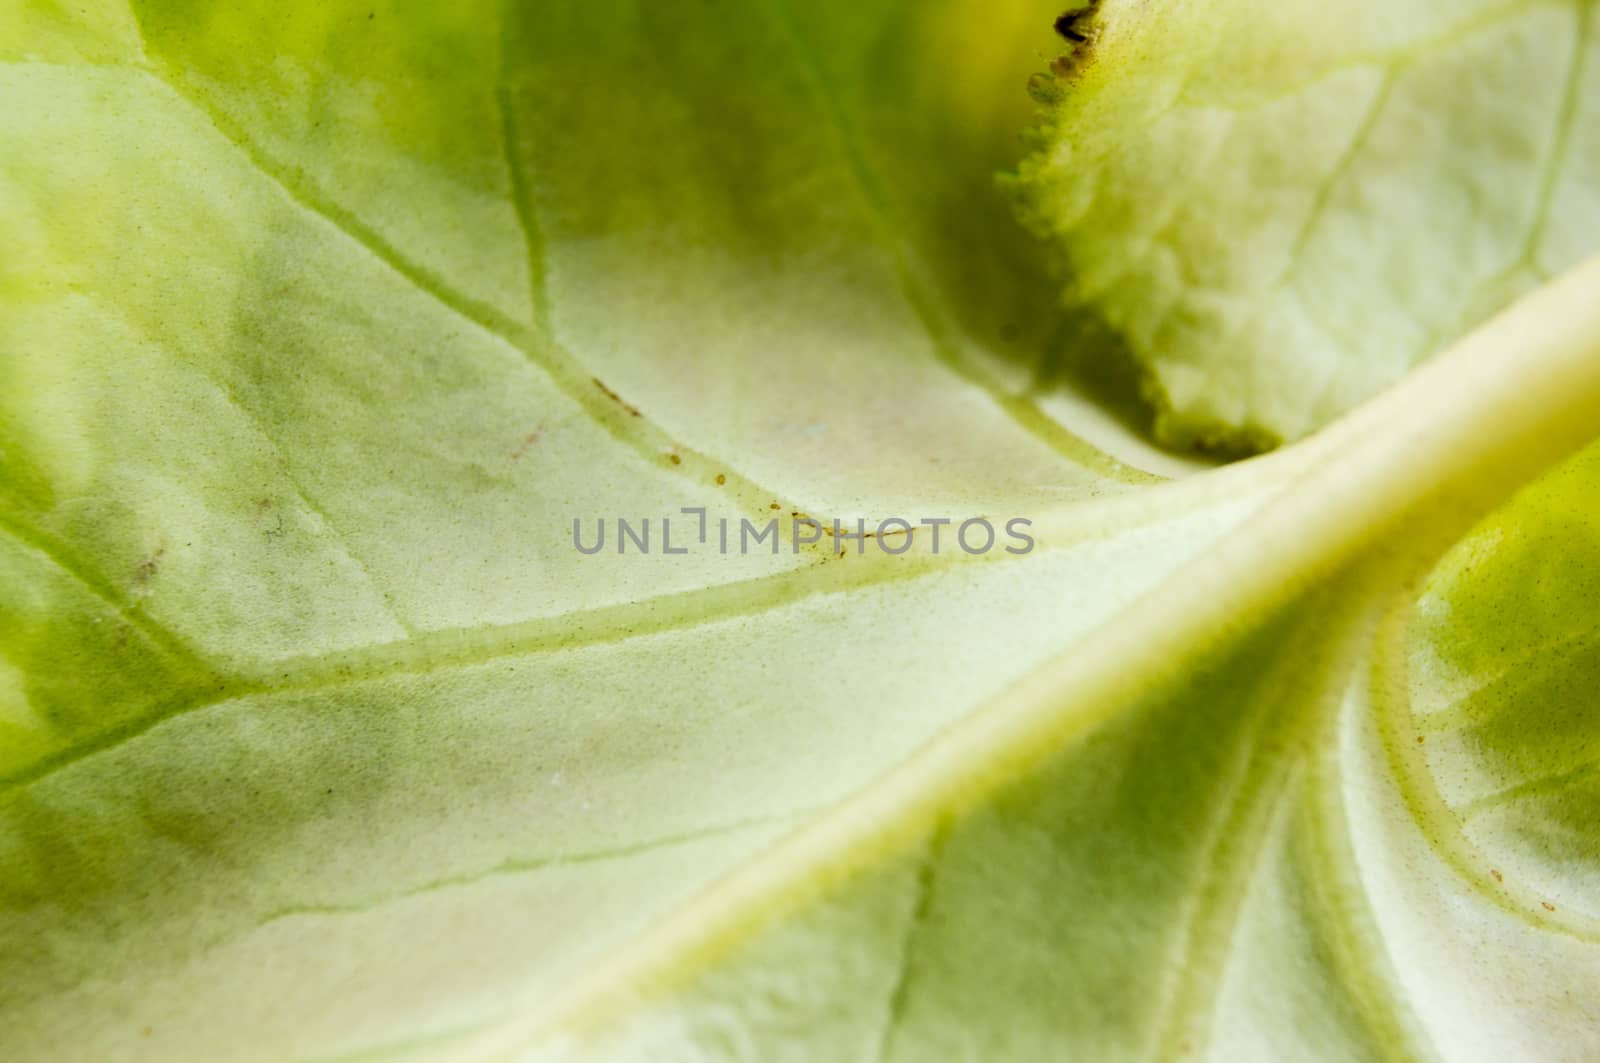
[1359, 184]
[318, 738]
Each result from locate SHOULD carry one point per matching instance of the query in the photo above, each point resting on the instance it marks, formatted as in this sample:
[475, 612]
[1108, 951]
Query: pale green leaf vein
[527, 866]
[921, 906]
[461, 648]
[62, 557]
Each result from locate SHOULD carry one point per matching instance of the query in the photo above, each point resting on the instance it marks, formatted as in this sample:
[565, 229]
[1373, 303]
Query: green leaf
[1281, 207]
[319, 739]
[1507, 738]
[1206, 829]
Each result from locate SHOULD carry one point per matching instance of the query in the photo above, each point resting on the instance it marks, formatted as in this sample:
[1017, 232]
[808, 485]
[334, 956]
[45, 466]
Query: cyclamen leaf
[318, 739]
[1280, 207]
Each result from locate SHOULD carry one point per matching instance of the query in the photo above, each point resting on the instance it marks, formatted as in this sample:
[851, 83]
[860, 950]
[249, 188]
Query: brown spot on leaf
[150, 565]
[1498, 877]
[614, 397]
[1067, 26]
[1547, 906]
[527, 441]
[721, 479]
[1080, 30]
[674, 459]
